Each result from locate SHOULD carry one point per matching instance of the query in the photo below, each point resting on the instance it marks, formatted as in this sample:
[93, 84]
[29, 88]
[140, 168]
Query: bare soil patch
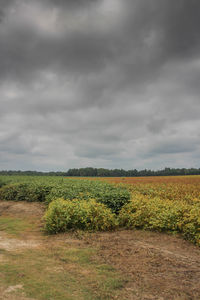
[3, 258]
[9, 293]
[22, 209]
[160, 266]
[11, 244]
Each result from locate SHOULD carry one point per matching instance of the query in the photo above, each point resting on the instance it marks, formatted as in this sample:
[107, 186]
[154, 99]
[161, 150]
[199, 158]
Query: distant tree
[101, 172]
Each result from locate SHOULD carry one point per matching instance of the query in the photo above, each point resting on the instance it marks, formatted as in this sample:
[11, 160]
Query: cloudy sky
[101, 83]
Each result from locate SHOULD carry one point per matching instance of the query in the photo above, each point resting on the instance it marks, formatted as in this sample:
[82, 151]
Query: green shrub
[111, 195]
[67, 192]
[24, 192]
[8, 192]
[114, 197]
[63, 215]
[2, 183]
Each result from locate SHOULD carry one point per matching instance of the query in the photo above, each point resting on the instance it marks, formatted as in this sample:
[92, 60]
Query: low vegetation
[144, 212]
[50, 189]
[63, 215]
[25, 192]
[158, 204]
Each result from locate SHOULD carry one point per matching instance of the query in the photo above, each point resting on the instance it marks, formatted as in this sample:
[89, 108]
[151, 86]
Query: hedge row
[2, 183]
[24, 192]
[63, 215]
[155, 214]
[112, 196]
[111, 208]
[141, 212]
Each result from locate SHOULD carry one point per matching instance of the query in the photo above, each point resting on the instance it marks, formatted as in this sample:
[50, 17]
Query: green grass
[14, 226]
[61, 274]
[56, 270]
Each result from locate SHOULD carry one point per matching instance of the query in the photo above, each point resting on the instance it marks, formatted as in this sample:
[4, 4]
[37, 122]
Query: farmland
[170, 204]
[96, 241]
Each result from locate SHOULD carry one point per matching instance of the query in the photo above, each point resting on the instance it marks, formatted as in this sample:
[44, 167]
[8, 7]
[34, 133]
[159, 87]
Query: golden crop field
[164, 204]
[175, 188]
[183, 188]
[170, 204]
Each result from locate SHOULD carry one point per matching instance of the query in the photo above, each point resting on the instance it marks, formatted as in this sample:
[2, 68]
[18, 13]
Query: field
[98, 253]
[170, 204]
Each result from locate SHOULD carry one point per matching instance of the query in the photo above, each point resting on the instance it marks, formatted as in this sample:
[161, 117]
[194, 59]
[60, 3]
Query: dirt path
[152, 265]
[160, 266]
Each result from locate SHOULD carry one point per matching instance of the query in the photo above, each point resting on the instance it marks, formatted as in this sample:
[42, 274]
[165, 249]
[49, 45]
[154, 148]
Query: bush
[151, 213]
[162, 215]
[24, 192]
[112, 196]
[190, 225]
[63, 215]
[2, 183]
[68, 193]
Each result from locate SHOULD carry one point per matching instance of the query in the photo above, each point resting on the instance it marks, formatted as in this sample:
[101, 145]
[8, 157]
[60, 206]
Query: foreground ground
[114, 265]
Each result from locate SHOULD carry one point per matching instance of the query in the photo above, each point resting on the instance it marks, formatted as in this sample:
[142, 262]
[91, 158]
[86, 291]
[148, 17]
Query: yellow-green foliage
[175, 190]
[63, 215]
[190, 224]
[163, 215]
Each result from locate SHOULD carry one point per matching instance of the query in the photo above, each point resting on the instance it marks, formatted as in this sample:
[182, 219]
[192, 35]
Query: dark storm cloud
[177, 22]
[181, 28]
[175, 146]
[71, 3]
[100, 83]
[158, 32]
[148, 34]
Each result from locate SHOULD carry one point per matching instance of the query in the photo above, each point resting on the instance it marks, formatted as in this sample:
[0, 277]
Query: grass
[14, 226]
[55, 271]
[60, 274]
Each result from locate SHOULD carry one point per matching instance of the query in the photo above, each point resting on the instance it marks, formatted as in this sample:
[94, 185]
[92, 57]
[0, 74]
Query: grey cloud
[104, 83]
[156, 125]
[149, 34]
[71, 3]
[14, 144]
[176, 21]
[5, 3]
[176, 146]
[182, 23]
[96, 151]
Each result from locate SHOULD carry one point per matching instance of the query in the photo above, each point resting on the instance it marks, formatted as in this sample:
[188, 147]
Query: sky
[99, 83]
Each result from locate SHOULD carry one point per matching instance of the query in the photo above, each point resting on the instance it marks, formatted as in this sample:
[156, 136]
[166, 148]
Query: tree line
[101, 172]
